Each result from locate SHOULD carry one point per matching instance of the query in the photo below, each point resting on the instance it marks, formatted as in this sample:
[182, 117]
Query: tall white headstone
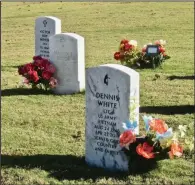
[44, 28]
[112, 91]
[67, 53]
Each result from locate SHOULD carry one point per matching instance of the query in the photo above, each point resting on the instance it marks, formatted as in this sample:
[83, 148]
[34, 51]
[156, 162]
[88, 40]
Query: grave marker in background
[110, 90]
[67, 53]
[44, 28]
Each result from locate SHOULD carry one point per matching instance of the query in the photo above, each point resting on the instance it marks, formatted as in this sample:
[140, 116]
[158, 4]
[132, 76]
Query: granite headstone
[67, 53]
[44, 28]
[112, 97]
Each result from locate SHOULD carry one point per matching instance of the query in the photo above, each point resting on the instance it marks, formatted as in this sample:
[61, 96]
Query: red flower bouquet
[128, 52]
[39, 73]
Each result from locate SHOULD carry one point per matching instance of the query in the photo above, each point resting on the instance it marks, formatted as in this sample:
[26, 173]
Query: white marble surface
[109, 89]
[67, 53]
[45, 27]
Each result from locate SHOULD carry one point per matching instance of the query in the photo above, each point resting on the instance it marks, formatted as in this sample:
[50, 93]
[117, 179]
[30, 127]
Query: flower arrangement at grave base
[158, 143]
[148, 60]
[130, 56]
[128, 53]
[39, 73]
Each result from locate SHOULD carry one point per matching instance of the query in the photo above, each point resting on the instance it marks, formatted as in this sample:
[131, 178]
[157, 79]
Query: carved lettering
[106, 132]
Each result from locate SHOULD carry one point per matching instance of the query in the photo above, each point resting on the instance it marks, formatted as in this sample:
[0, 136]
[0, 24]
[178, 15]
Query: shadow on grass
[60, 166]
[15, 66]
[181, 77]
[168, 110]
[23, 91]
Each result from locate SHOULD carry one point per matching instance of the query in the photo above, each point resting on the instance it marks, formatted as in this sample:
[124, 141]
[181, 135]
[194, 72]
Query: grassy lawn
[38, 130]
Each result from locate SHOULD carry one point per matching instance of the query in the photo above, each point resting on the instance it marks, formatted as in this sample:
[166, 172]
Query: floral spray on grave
[159, 142]
[39, 73]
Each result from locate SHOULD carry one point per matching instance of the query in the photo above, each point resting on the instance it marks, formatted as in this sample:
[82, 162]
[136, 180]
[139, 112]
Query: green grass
[38, 129]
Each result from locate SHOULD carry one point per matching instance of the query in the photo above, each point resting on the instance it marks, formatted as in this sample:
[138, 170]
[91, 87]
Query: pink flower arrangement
[39, 72]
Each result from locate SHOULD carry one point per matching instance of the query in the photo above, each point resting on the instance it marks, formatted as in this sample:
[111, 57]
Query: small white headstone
[111, 90]
[67, 53]
[44, 28]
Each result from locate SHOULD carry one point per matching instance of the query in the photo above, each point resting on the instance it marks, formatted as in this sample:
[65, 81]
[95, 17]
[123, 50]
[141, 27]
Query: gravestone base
[66, 90]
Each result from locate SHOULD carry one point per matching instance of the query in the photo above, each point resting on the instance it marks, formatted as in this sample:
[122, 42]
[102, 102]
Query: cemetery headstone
[44, 28]
[67, 53]
[111, 90]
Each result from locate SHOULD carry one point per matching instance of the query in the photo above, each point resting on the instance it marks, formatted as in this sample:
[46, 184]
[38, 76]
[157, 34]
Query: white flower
[181, 127]
[149, 43]
[145, 46]
[162, 42]
[182, 130]
[133, 42]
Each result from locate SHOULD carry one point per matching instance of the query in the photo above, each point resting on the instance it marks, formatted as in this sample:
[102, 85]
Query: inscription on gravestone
[44, 28]
[108, 97]
[106, 132]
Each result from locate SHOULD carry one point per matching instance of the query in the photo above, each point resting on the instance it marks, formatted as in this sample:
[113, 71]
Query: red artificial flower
[145, 150]
[33, 75]
[37, 58]
[28, 67]
[143, 49]
[45, 64]
[21, 70]
[50, 68]
[46, 75]
[176, 150]
[127, 138]
[158, 125]
[124, 41]
[53, 82]
[42, 63]
[38, 63]
[127, 47]
[161, 49]
[117, 55]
